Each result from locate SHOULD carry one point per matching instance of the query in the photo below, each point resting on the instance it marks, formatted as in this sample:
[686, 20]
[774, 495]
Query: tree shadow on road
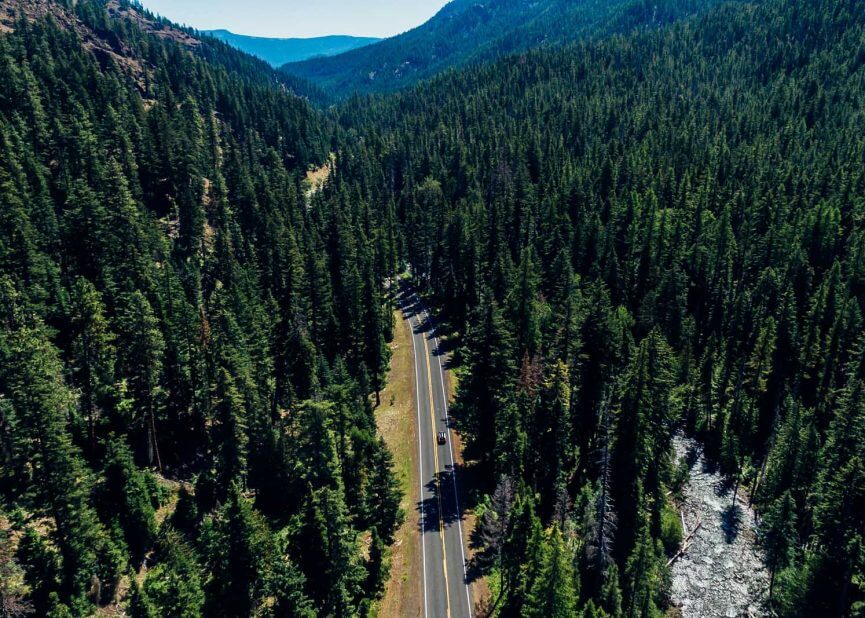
[428, 508]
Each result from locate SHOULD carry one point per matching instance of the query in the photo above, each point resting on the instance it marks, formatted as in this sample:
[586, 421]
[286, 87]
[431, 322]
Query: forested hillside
[634, 236]
[630, 238]
[467, 31]
[186, 350]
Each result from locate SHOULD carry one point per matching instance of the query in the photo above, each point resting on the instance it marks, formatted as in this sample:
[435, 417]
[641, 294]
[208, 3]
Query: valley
[278, 52]
[419, 328]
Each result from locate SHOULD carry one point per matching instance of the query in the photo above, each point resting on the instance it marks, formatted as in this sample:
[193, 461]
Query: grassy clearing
[396, 418]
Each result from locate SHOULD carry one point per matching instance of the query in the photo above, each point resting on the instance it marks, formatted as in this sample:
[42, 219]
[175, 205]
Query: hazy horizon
[291, 19]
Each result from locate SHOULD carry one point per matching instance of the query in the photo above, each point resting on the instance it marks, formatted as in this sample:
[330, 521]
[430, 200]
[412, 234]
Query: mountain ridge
[278, 51]
[464, 32]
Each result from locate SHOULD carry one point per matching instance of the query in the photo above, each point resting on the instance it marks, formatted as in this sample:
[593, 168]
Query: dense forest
[654, 233]
[181, 335]
[626, 237]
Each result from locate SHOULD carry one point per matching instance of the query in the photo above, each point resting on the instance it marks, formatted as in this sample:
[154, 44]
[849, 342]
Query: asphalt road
[445, 589]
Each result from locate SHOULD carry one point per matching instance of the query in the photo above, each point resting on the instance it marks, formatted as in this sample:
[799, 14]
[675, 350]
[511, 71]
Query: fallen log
[685, 544]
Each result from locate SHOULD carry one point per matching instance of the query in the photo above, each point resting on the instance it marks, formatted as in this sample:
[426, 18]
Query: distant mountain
[466, 31]
[281, 51]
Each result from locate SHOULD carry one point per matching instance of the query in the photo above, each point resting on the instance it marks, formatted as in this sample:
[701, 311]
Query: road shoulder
[396, 420]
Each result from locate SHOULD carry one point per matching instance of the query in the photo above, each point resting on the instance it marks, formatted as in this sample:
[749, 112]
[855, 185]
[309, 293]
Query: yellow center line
[436, 475]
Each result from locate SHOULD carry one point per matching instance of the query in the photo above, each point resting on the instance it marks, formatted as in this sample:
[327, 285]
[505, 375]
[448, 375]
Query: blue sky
[299, 18]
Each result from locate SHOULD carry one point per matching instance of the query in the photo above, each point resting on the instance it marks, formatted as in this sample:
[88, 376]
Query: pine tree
[31, 379]
[230, 433]
[239, 550]
[141, 346]
[376, 352]
[174, 585]
[643, 577]
[555, 592]
[93, 355]
[285, 583]
[779, 536]
[490, 534]
[838, 503]
[382, 494]
[521, 555]
[326, 547]
[556, 457]
[642, 436]
[489, 372]
[42, 568]
[126, 486]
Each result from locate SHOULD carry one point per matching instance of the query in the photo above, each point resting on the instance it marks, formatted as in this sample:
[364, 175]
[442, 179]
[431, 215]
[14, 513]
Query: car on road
[442, 437]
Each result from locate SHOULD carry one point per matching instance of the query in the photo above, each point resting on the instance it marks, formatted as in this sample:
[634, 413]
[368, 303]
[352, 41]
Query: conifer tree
[239, 550]
[126, 486]
[554, 592]
[93, 352]
[174, 584]
[489, 370]
[141, 346]
[779, 536]
[31, 379]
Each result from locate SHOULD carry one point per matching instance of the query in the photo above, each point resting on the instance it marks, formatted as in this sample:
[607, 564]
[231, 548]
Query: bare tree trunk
[771, 584]
[153, 447]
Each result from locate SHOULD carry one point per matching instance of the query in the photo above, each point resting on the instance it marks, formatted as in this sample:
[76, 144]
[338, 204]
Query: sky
[299, 18]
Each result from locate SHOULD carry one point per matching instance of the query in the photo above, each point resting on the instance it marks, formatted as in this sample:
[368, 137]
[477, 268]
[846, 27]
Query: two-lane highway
[445, 588]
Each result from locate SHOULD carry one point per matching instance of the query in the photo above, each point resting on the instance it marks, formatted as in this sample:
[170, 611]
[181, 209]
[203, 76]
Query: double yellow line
[436, 475]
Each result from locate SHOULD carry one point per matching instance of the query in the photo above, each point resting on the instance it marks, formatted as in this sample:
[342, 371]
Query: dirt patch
[396, 419]
[721, 573]
[317, 177]
[150, 26]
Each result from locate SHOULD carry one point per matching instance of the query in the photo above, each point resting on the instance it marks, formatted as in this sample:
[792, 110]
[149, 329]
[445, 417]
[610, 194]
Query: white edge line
[419, 462]
[451, 452]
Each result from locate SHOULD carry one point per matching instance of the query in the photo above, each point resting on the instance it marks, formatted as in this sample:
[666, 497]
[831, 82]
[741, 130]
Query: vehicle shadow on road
[446, 350]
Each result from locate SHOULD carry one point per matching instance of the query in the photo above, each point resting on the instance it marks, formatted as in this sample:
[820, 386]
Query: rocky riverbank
[721, 572]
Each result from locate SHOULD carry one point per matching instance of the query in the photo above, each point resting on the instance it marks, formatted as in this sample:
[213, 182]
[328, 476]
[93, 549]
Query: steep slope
[181, 339]
[278, 52]
[114, 46]
[467, 31]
